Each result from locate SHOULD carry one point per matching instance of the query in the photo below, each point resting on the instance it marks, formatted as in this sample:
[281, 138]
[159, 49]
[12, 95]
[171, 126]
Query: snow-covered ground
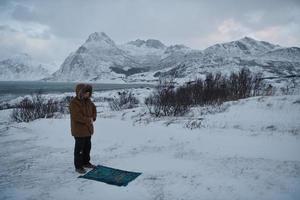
[246, 149]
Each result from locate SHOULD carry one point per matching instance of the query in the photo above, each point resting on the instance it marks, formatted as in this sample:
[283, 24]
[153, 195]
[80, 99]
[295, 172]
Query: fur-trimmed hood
[81, 88]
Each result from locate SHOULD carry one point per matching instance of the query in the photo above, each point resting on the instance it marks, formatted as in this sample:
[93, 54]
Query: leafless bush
[125, 100]
[194, 124]
[167, 100]
[36, 107]
[290, 88]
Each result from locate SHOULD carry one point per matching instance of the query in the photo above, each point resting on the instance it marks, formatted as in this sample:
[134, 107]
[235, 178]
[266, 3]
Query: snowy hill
[22, 67]
[100, 59]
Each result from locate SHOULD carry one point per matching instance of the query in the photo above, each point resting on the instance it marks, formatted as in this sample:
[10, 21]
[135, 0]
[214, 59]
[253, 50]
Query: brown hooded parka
[81, 112]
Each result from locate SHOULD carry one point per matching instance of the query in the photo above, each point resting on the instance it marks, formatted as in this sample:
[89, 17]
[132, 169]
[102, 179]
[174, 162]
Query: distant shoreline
[13, 89]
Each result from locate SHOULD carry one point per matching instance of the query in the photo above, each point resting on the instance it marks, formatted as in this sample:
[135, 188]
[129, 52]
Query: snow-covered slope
[248, 149]
[244, 47]
[147, 53]
[291, 54]
[22, 67]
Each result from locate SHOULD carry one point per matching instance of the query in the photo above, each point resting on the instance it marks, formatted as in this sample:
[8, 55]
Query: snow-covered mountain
[258, 56]
[150, 43]
[283, 54]
[245, 47]
[96, 59]
[148, 53]
[101, 59]
[22, 67]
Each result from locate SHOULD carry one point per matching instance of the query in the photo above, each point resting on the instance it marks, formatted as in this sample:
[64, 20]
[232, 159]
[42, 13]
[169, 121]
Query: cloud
[23, 13]
[13, 41]
[227, 30]
[6, 28]
[285, 35]
[59, 27]
[37, 41]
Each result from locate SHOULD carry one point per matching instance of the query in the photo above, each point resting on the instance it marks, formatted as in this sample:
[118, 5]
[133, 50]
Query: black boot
[89, 165]
[80, 170]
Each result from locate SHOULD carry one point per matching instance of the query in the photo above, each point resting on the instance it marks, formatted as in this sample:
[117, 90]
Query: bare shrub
[36, 107]
[167, 100]
[125, 100]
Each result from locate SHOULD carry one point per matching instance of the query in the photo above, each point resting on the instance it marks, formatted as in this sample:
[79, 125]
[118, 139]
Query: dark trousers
[82, 151]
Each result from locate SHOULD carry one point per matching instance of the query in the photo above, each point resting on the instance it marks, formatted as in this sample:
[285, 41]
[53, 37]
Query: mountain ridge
[100, 59]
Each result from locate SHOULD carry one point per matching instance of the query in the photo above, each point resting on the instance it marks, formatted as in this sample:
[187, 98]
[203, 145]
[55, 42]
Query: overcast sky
[49, 30]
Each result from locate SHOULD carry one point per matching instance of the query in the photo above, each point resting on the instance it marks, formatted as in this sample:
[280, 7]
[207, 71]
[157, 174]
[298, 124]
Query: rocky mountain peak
[150, 43]
[101, 37]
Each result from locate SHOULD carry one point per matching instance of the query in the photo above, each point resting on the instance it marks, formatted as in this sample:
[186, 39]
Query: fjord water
[13, 89]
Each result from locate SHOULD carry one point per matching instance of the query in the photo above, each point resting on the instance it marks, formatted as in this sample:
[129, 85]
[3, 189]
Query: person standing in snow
[82, 115]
